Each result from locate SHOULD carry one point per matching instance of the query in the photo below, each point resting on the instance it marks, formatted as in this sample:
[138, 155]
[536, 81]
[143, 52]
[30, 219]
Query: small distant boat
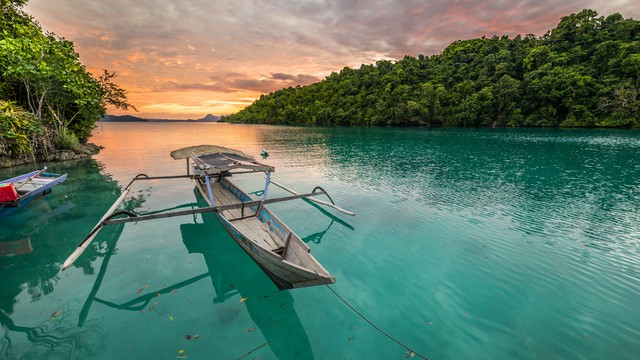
[18, 192]
[281, 253]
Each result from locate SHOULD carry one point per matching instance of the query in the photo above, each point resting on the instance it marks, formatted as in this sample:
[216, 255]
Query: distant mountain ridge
[130, 118]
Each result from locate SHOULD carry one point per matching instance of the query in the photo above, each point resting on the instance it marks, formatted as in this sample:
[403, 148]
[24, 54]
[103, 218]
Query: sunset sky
[188, 58]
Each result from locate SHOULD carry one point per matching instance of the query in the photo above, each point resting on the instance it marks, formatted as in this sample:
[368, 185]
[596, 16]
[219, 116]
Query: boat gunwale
[19, 177]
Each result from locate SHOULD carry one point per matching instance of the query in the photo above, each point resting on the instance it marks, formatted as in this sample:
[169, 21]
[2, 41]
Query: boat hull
[44, 183]
[283, 273]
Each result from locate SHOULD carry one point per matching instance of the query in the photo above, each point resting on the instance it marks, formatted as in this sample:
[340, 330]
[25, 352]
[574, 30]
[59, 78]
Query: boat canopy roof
[217, 159]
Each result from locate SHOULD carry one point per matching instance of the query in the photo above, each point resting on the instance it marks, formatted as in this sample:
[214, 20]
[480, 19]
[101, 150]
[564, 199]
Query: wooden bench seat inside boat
[250, 225]
[34, 184]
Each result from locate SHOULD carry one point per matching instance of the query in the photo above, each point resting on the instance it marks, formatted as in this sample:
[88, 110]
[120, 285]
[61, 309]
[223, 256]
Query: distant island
[129, 118]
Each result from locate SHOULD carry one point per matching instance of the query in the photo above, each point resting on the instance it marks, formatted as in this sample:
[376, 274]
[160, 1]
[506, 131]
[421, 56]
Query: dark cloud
[391, 27]
[217, 88]
[299, 79]
[276, 82]
[236, 82]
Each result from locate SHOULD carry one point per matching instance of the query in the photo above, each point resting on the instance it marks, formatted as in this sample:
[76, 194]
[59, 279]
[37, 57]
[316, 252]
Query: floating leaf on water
[170, 317]
[350, 338]
[142, 288]
[410, 354]
[182, 356]
[250, 330]
[180, 351]
[243, 299]
[196, 337]
[57, 313]
[188, 337]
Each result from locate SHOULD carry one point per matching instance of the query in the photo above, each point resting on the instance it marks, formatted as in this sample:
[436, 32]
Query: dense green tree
[583, 73]
[41, 73]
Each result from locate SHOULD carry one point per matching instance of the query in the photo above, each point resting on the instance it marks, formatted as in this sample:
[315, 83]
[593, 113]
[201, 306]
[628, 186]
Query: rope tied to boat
[410, 351]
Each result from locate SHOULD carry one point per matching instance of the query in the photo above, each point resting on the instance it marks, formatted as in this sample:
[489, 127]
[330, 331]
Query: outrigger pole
[89, 238]
[107, 217]
[321, 202]
[135, 218]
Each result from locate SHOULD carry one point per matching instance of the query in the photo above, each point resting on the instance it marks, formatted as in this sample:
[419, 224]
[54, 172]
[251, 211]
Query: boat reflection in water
[58, 336]
[275, 316]
[271, 310]
[317, 237]
[15, 241]
[18, 247]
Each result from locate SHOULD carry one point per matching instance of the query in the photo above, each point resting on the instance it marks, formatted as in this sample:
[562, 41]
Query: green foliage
[16, 3]
[64, 139]
[42, 73]
[17, 128]
[583, 73]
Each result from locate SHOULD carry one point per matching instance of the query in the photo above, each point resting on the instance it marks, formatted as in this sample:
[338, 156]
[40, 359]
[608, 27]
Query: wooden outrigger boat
[281, 254]
[18, 192]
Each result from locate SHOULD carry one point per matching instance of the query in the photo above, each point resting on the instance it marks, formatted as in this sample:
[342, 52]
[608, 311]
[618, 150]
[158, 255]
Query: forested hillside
[583, 73]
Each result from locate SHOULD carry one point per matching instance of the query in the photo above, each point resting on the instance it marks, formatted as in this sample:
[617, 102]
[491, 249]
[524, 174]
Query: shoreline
[83, 151]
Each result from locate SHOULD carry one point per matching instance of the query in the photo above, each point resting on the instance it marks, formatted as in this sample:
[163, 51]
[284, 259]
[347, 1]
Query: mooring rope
[410, 350]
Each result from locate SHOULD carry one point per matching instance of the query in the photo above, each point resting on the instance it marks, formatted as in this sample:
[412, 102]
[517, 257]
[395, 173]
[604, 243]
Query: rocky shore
[84, 151]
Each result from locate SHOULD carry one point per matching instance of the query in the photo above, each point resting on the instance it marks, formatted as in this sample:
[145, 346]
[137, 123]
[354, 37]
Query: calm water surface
[467, 244]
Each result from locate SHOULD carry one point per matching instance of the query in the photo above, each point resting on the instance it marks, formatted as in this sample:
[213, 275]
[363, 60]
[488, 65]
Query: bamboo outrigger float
[281, 254]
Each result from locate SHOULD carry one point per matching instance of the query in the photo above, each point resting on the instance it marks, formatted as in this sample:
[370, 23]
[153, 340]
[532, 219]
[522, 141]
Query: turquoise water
[468, 243]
